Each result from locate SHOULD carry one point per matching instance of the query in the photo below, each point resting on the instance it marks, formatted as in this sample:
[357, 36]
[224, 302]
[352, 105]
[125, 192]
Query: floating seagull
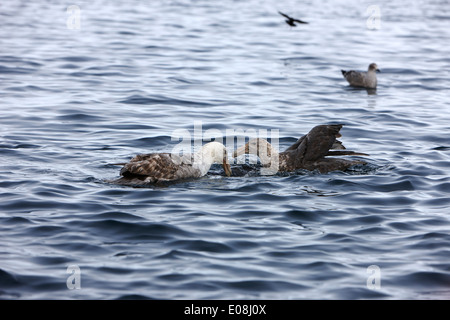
[363, 79]
[291, 21]
[309, 152]
[165, 167]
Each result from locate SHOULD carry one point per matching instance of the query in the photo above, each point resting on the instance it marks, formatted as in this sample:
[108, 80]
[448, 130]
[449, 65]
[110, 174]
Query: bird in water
[363, 79]
[156, 168]
[310, 152]
[291, 21]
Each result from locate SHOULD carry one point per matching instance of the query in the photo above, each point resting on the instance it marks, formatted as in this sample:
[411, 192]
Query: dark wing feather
[346, 153]
[296, 144]
[315, 145]
[284, 15]
[299, 21]
[320, 141]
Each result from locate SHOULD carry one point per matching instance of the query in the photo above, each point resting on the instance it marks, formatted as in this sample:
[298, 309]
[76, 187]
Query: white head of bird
[213, 152]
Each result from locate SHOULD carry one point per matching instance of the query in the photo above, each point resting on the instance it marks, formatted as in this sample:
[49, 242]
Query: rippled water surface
[72, 101]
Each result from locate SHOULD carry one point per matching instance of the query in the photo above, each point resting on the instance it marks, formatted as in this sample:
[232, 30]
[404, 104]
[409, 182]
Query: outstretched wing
[315, 145]
[299, 21]
[284, 15]
[296, 144]
[318, 142]
[321, 140]
[292, 19]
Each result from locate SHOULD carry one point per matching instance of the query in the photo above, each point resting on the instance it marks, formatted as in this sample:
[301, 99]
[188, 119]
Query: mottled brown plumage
[156, 167]
[164, 167]
[310, 152]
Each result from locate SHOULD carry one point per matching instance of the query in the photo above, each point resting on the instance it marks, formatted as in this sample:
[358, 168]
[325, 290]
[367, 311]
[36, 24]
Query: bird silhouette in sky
[291, 21]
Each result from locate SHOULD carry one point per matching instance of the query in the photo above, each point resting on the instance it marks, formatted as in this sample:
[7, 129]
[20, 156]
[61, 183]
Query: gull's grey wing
[355, 78]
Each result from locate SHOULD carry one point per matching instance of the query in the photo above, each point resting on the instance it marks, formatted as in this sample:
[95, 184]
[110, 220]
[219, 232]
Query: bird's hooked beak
[226, 167]
[378, 70]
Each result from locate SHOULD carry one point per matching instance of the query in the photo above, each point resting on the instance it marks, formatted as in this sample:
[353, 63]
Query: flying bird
[310, 152]
[363, 79]
[291, 21]
[155, 168]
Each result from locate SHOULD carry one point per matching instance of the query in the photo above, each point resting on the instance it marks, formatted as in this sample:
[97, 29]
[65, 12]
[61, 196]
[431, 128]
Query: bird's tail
[344, 72]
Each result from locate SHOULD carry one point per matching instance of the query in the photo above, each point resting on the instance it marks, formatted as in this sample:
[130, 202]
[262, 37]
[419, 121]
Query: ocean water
[97, 83]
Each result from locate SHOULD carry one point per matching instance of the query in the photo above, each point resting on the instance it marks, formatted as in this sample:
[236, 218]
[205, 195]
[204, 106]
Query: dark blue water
[74, 100]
